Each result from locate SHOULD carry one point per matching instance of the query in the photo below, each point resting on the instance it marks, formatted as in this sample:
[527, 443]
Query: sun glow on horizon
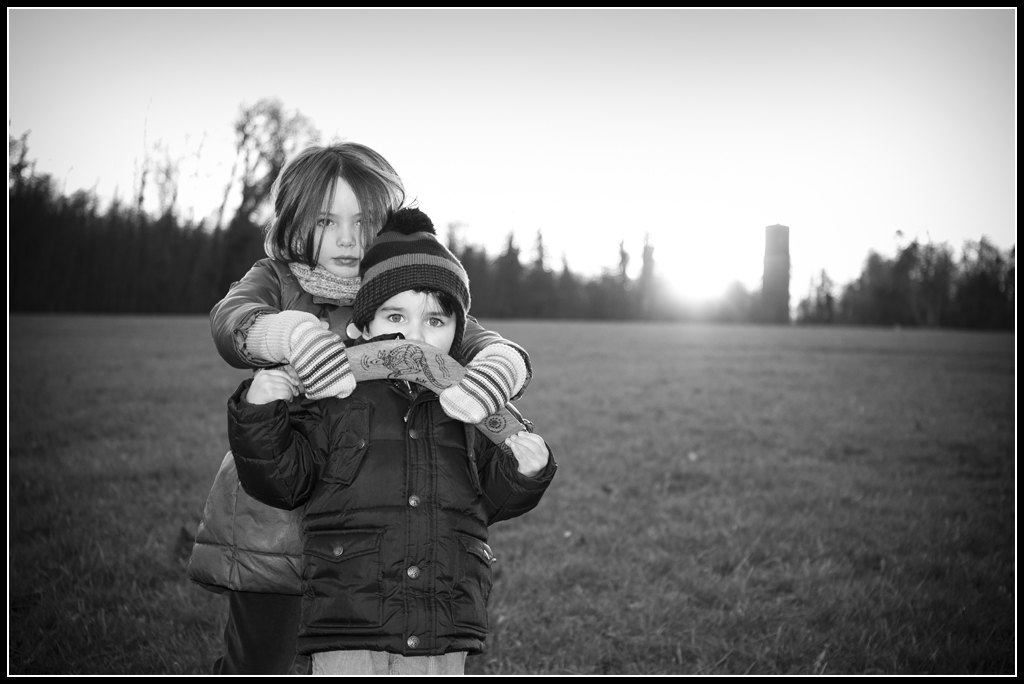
[699, 267]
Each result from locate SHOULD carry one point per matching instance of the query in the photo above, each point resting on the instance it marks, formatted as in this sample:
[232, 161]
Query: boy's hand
[530, 451]
[294, 375]
[272, 385]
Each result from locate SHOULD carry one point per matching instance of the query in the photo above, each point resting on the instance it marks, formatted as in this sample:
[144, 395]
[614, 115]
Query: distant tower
[647, 279]
[775, 285]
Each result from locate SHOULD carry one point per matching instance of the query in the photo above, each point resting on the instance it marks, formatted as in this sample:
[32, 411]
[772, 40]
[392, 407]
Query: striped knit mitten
[492, 379]
[319, 357]
[268, 337]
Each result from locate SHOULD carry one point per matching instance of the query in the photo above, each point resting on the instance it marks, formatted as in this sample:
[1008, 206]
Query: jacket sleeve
[507, 493]
[277, 452]
[257, 293]
[476, 338]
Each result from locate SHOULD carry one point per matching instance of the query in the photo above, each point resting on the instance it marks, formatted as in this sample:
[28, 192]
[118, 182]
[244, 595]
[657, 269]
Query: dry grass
[729, 500]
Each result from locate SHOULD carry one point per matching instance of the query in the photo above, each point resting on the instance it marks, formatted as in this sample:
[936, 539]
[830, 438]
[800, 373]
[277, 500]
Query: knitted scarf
[321, 283]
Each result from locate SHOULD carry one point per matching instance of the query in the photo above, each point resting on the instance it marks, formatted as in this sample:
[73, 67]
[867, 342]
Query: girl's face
[339, 233]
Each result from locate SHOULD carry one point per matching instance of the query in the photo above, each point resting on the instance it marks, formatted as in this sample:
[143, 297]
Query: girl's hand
[318, 356]
[272, 385]
[492, 378]
[530, 451]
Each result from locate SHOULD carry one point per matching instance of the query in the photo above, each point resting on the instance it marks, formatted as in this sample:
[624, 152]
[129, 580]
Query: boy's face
[416, 315]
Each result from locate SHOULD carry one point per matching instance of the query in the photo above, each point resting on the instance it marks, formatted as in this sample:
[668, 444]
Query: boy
[396, 568]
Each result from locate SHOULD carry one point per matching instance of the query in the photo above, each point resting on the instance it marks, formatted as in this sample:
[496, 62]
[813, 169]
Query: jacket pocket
[349, 439]
[342, 581]
[472, 586]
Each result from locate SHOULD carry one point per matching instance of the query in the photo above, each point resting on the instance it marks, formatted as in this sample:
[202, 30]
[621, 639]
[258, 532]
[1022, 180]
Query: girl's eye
[323, 222]
[437, 322]
[395, 318]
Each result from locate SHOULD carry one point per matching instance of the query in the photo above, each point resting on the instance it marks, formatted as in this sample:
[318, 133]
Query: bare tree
[266, 137]
[168, 175]
[17, 153]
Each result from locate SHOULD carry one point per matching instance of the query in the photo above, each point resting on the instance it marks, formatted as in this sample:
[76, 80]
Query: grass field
[729, 500]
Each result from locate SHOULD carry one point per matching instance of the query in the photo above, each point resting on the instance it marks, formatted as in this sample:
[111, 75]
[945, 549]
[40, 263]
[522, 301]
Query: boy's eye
[437, 322]
[395, 318]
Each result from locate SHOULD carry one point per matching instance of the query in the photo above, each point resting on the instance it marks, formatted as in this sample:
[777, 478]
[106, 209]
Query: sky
[693, 128]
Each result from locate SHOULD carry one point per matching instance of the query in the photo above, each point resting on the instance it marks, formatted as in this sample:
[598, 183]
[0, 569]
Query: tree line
[924, 285]
[68, 255]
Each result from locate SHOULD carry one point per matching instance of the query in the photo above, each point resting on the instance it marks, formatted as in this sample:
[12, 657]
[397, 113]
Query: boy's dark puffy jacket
[398, 499]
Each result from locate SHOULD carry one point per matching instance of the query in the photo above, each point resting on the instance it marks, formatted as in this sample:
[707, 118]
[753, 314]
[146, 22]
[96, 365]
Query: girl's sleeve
[476, 339]
[257, 293]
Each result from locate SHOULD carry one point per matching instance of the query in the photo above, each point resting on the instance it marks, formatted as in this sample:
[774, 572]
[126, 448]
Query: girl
[294, 307]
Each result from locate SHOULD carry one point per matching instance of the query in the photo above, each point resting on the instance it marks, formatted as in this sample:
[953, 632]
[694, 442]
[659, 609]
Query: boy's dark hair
[307, 184]
[445, 300]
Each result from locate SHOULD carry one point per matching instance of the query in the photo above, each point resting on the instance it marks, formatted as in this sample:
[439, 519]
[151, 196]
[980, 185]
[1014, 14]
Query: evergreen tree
[540, 299]
[569, 296]
[508, 286]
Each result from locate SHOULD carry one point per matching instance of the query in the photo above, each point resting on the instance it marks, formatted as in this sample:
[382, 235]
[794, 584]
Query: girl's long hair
[307, 184]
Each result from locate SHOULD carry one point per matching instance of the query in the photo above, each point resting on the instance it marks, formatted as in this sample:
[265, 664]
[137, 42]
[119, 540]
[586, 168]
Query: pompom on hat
[406, 255]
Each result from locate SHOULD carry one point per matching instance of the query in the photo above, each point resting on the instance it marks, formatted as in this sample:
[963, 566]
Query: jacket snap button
[413, 641]
[362, 443]
[414, 434]
[338, 550]
[414, 501]
[413, 572]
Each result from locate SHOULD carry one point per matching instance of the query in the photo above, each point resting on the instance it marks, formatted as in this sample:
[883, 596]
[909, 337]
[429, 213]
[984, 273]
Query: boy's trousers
[261, 634]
